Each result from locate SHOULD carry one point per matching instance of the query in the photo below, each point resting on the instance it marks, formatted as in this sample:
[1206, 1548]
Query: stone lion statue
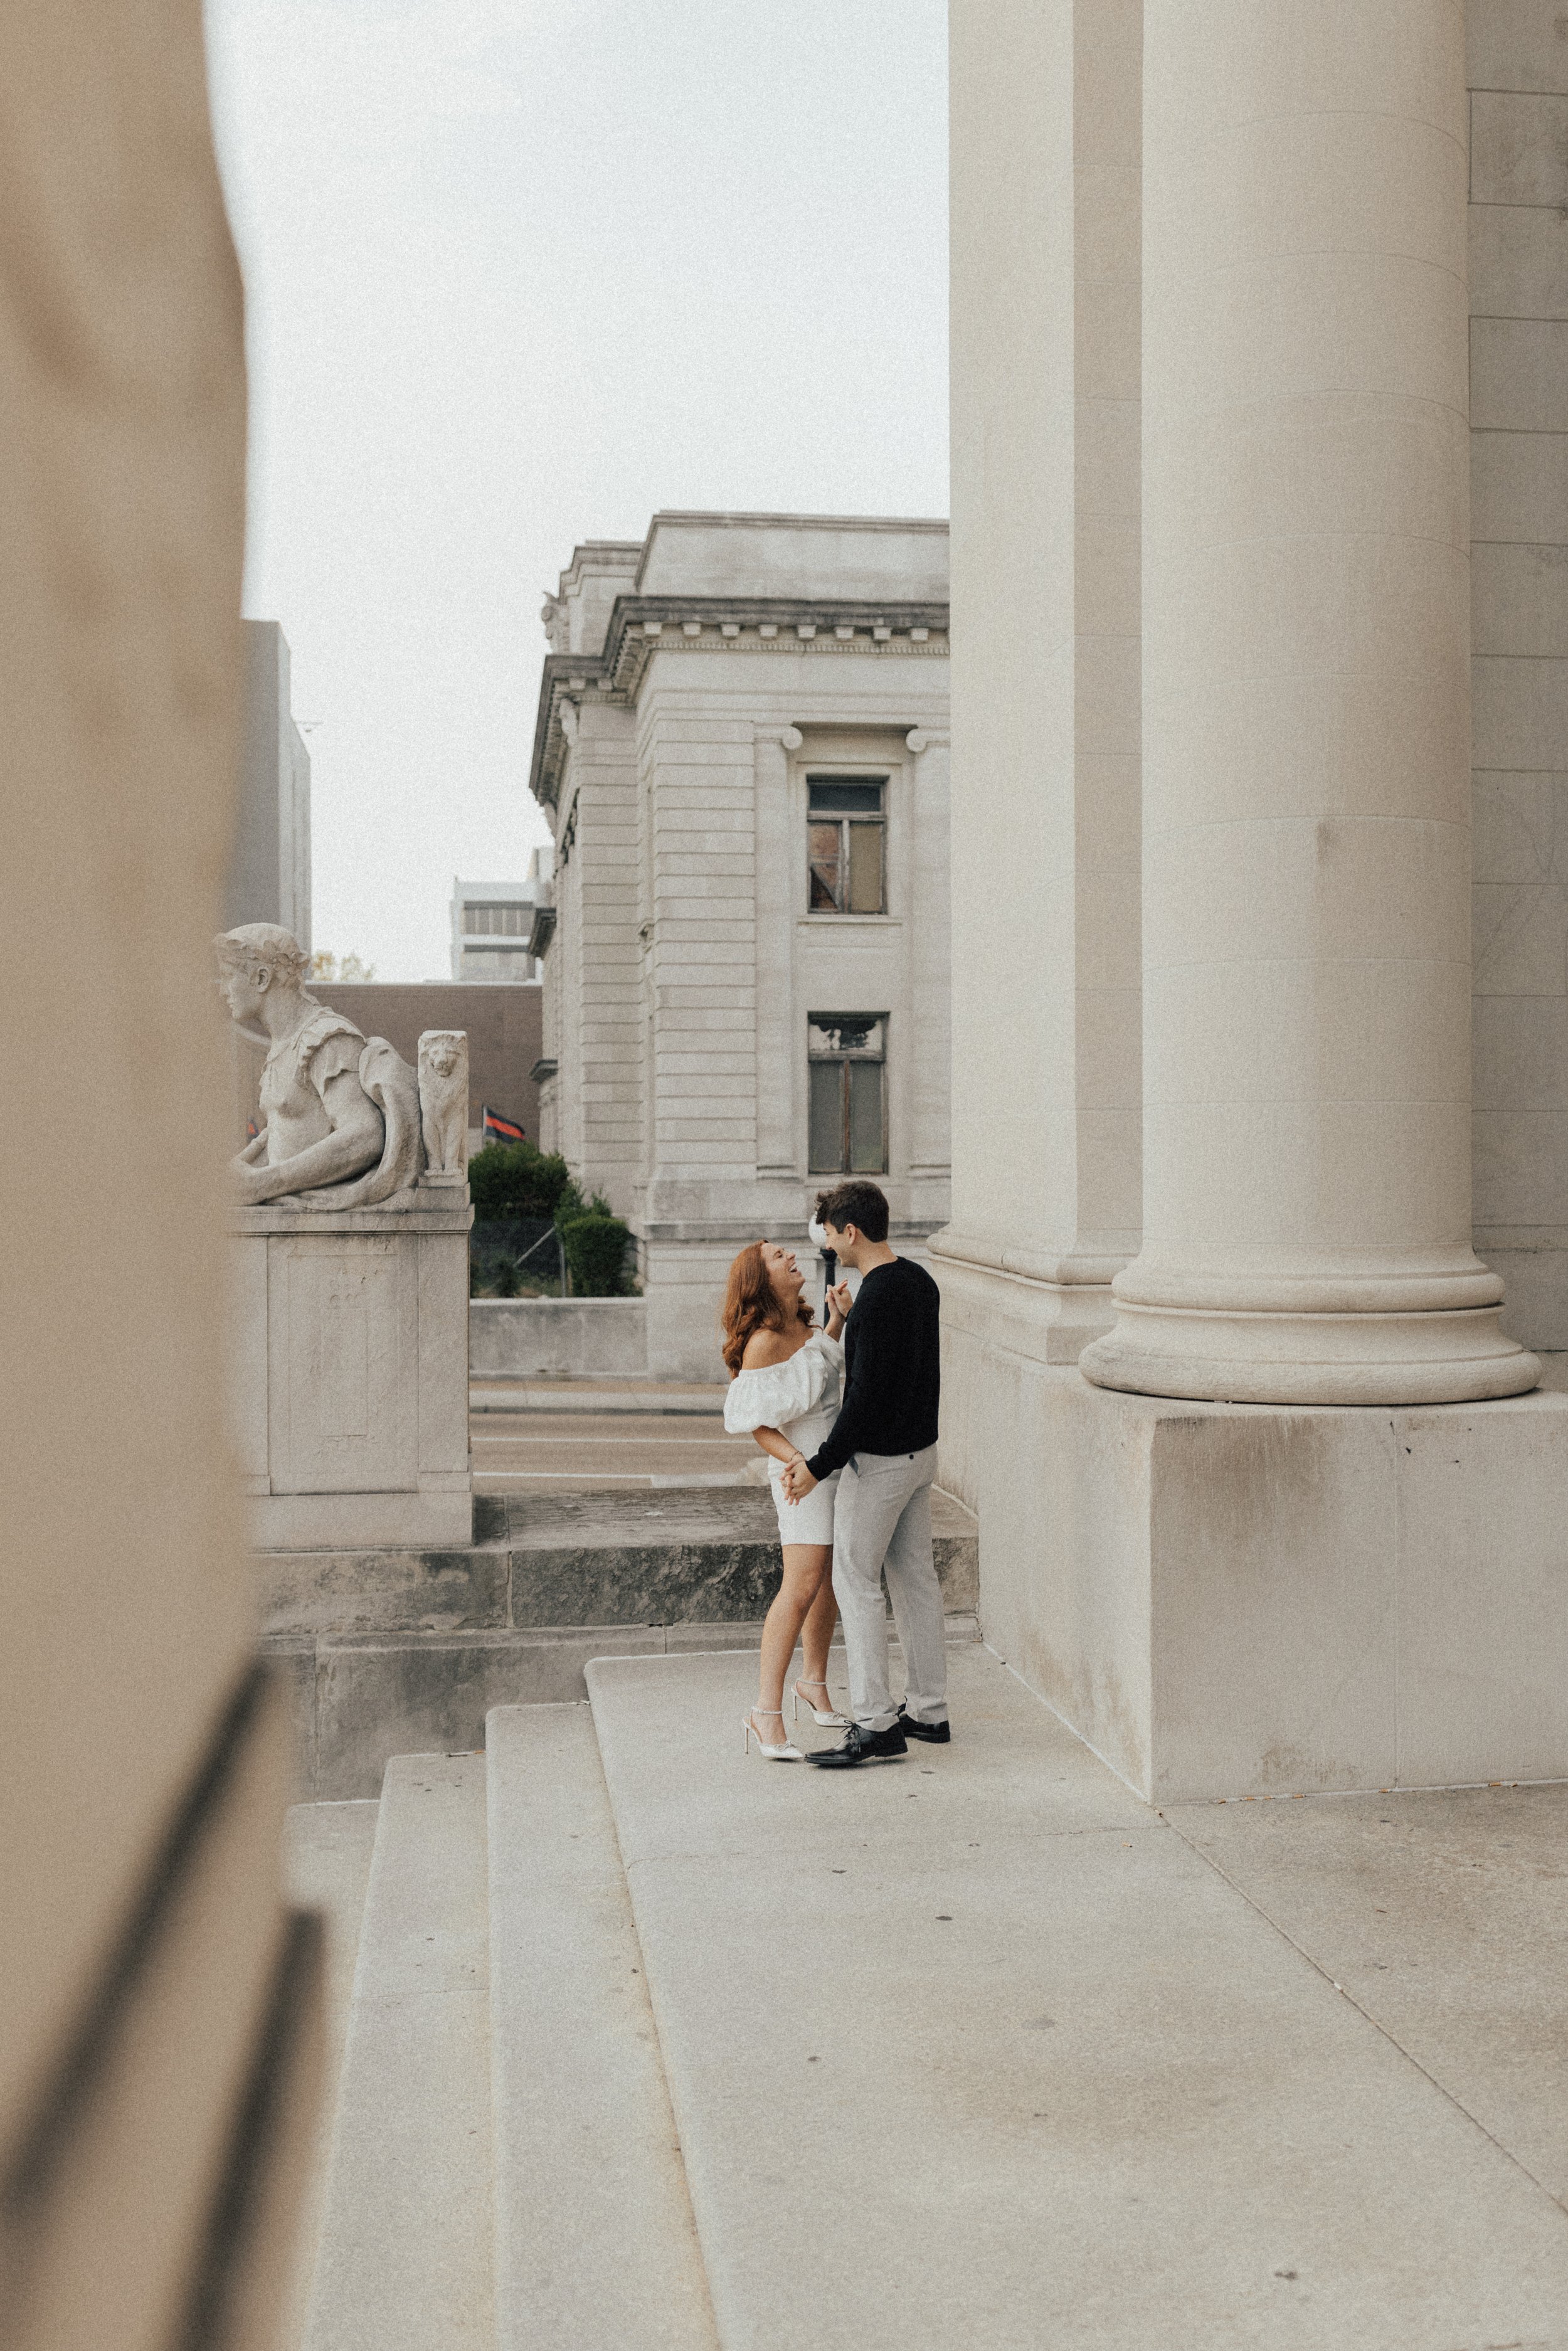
[444, 1100]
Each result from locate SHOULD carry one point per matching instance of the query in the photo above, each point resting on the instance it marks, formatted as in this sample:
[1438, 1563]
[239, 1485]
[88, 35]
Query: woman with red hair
[785, 1376]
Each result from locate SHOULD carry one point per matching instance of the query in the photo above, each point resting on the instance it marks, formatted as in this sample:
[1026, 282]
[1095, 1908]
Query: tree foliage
[510, 1180]
[349, 969]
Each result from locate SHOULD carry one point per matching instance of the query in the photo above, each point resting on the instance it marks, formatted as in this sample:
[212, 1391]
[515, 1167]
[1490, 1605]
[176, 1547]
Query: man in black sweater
[884, 1440]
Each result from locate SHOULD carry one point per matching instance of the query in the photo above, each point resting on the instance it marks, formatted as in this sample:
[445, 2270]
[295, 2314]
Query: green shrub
[595, 1244]
[515, 1179]
[570, 1203]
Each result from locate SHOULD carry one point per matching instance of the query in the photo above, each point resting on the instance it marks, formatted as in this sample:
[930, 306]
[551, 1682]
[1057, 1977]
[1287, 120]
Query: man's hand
[840, 1300]
[798, 1480]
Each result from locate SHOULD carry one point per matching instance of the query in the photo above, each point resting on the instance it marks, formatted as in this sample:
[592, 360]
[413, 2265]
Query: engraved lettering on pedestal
[341, 1350]
[346, 1344]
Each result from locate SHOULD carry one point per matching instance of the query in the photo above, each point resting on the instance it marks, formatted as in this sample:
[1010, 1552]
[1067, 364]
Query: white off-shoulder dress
[800, 1399]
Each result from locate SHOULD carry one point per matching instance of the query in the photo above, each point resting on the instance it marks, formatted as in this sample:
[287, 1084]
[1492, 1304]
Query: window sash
[864, 862]
[825, 847]
[845, 855]
[825, 1157]
[865, 1126]
[847, 1108]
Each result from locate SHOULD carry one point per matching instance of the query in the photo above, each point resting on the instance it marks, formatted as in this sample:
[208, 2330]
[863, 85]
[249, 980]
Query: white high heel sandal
[831, 1720]
[783, 1754]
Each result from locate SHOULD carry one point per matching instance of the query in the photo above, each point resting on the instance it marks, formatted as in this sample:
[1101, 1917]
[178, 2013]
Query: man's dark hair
[856, 1203]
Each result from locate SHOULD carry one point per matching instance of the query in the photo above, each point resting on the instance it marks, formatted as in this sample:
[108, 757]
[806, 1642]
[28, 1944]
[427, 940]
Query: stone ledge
[670, 1556]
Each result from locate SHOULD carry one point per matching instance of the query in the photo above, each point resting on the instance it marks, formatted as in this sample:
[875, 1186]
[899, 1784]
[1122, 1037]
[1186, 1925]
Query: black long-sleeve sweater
[892, 1374]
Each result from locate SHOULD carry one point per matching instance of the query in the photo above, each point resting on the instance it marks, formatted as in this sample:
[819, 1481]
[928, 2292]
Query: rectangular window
[493, 919]
[848, 1067]
[845, 822]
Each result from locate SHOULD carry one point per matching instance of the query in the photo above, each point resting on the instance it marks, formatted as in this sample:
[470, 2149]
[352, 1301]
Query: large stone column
[1045, 127]
[1306, 716]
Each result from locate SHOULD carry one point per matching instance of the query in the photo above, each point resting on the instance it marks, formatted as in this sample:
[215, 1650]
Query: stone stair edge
[407, 2205]
[489, 1636]
[595, 2243]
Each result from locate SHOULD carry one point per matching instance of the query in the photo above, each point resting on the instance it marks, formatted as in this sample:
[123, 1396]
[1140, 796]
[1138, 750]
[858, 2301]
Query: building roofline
[733, 518]
[721, 624]
[630, 551]
[725, 518]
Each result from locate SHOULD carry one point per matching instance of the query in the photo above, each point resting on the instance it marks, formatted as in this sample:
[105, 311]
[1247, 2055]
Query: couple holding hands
[847, 1414]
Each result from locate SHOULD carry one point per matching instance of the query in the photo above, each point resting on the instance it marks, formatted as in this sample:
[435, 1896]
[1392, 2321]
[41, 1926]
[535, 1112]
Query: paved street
[558, 1434]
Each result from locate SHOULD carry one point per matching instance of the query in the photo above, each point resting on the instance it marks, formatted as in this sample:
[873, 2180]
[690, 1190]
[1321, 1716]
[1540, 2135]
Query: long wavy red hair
[751, 1304]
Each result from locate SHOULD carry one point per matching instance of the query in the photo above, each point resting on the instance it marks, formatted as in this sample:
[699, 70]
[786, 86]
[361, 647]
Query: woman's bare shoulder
[766, 1347]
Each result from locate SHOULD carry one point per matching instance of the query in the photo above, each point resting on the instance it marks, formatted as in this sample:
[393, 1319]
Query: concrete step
[594, 2241]
[389, 1652]
[406, 2260]
[977, 2049]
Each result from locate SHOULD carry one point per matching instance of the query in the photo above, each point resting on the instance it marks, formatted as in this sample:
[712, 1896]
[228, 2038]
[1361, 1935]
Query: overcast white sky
[519, 273]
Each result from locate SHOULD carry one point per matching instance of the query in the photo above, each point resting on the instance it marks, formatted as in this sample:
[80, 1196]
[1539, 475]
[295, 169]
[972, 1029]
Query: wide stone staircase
[655, 2047]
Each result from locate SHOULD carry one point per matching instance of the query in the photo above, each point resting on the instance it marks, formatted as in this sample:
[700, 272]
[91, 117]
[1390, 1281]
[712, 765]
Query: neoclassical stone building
[742, 747]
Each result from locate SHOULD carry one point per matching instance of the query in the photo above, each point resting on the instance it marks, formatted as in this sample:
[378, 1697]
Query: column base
[1449, 1356]
[1227, 1601]
[997, 1324]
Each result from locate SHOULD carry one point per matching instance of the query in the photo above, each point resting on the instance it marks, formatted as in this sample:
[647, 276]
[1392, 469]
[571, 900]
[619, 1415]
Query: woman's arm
[774, 1441]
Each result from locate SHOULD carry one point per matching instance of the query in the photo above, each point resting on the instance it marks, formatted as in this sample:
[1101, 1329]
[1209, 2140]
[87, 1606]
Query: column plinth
[1306, 718]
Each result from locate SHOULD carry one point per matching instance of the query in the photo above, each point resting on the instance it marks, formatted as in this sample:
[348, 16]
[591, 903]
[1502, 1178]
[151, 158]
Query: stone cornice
[642, 626]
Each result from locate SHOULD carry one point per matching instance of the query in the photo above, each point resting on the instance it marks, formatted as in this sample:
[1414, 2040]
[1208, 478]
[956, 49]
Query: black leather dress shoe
[858, 1746]
[935, 1734]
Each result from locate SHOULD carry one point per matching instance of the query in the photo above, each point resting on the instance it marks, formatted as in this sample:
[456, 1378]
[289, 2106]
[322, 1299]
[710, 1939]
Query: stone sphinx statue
[340, 1123]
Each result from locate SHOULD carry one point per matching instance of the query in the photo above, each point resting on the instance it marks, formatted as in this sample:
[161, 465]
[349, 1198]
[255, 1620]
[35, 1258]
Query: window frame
[846, 1059]
[879, 774]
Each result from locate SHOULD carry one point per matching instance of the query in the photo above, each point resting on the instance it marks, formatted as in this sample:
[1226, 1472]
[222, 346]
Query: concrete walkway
[976, 2050]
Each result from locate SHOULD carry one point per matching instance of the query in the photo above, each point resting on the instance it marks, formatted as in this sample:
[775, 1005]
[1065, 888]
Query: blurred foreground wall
[156, 2025]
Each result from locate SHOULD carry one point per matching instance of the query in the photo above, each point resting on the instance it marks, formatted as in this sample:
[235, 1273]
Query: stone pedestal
[1233, 1600]
[351, 1353]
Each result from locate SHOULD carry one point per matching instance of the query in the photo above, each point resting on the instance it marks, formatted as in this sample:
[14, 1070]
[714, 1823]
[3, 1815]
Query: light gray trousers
[882, 1519]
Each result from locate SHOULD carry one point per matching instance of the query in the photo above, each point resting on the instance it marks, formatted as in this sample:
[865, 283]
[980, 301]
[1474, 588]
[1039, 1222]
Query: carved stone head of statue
[258, 960]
